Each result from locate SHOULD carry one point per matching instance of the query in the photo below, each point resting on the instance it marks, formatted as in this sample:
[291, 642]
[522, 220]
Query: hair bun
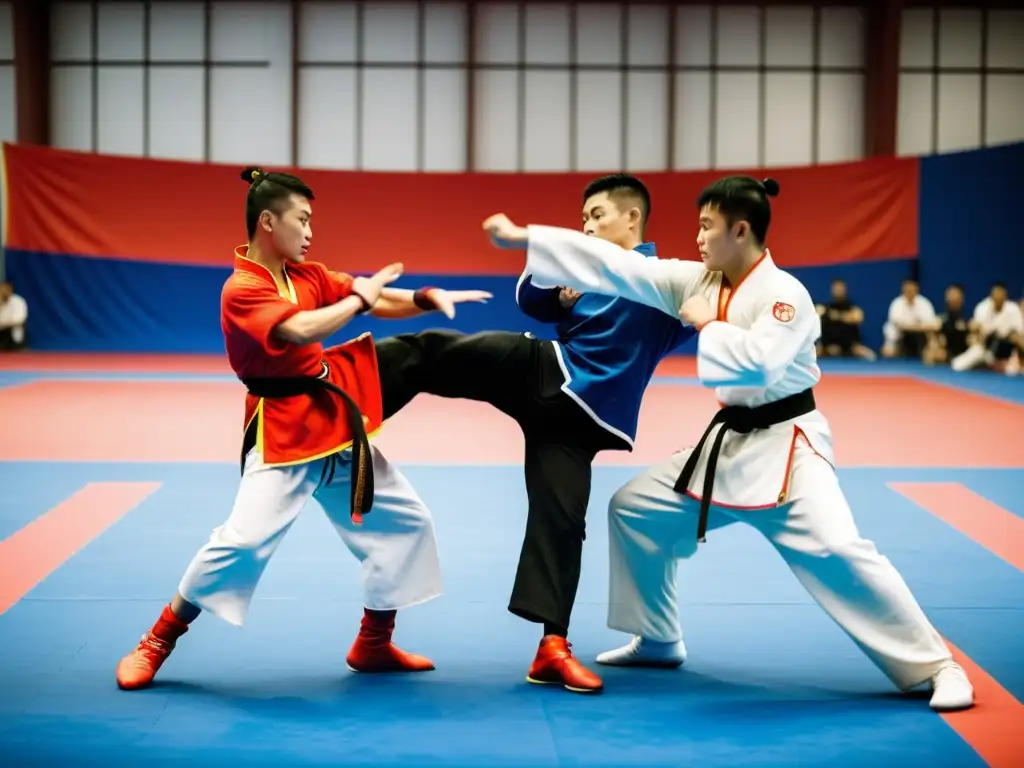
[250, 174]
[771, 187]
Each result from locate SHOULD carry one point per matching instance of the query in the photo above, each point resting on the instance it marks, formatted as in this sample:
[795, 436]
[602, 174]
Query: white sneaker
[951, 690]
[645, 653]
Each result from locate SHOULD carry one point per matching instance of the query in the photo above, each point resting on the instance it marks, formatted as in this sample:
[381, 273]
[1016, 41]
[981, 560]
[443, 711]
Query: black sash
[742, 419]
[362, 463]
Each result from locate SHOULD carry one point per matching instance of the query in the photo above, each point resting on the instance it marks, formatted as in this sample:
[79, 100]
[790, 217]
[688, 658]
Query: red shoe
[373, 650]
[138, 668]
[554, 664]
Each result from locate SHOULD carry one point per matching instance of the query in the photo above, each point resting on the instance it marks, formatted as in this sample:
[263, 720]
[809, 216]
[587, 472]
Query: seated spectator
[1018, 338]
[13, 316]
[1015, 365]
[911, 318]
[951, 334]
[840, 326]
[994, 326]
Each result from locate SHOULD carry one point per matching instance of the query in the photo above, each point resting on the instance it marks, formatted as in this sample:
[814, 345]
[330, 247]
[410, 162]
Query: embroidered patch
[783, 312]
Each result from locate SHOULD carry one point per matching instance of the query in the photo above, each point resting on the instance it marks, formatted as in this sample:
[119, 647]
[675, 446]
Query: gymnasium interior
[895, 130]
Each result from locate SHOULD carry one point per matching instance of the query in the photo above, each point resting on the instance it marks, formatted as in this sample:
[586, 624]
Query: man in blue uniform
[572, 397]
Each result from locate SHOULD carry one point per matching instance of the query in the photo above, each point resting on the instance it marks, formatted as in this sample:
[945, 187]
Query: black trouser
[521, 377]
[842, 335]
[1000, 348]
[912, 343]
[7, 342]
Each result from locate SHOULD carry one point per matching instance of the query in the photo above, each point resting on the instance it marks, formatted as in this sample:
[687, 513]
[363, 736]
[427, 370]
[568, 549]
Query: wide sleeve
[1016, 319]
[17, 311]
[730, 356]
[335, 286]
[927, 311]
[541, 304]
[254, 309]
[564, 257]
[896, 313]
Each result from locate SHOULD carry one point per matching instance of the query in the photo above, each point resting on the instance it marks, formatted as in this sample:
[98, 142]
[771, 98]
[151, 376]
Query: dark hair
[269, 191]
[622, 185]
[742, 198]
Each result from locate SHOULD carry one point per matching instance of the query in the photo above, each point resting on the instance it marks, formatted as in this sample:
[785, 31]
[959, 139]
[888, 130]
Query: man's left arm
[730, 356]
[402, 303]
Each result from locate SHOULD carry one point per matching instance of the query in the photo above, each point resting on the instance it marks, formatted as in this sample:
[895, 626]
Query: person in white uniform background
[13, 317]
[996, 323]
[765, 460]
[911, 317]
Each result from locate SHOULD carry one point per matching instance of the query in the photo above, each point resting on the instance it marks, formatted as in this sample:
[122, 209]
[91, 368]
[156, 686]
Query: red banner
[191, 213]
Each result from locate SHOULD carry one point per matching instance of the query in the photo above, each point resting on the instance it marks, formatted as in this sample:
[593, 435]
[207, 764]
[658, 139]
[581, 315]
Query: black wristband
[422, 300]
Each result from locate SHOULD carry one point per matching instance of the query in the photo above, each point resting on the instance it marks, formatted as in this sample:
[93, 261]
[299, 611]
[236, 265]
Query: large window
[961, 79]
[8, 103]
[655, 87]
[450, 86]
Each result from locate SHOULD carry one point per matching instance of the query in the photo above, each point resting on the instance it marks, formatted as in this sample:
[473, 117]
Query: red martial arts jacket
[293, 430]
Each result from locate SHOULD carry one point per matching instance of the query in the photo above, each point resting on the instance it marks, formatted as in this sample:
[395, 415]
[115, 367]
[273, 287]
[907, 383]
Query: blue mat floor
[770, 680]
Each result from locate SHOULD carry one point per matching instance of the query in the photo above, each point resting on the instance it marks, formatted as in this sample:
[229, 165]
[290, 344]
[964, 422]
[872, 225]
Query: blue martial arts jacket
[607, 347]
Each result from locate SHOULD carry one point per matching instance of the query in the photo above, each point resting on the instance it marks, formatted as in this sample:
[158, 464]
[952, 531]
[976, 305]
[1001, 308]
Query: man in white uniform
[911, 316]
[13, 316]
[996, 322]
[765, 460]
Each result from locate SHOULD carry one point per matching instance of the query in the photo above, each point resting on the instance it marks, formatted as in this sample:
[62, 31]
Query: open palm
[445, 301]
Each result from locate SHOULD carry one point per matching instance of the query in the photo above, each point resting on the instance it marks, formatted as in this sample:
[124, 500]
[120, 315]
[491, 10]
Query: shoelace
[151, 648]
[566, 654]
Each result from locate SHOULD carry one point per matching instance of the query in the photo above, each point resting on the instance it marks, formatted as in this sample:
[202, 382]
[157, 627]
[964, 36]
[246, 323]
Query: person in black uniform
[952, 336]
[840, 326]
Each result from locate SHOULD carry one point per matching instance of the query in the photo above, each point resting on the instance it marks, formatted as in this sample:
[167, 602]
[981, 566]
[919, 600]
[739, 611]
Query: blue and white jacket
[607, 348]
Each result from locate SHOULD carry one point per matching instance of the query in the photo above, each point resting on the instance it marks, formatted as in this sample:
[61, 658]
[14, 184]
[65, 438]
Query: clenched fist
[567, 297]
[504, 233]
[696, 311]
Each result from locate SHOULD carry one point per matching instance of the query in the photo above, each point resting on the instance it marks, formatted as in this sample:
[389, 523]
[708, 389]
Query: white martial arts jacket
[1004, 323]
[763, 352]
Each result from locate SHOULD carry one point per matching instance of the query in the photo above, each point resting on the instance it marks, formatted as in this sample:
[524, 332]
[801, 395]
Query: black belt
[742, 419]
[362, 465]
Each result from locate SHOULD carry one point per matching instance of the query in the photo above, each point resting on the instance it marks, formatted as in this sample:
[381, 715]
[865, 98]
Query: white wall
[365, 101]
[8, 121]
[961, 79]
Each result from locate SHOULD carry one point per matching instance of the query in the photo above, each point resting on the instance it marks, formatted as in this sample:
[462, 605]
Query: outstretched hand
[445, 301]
[505, 234]
[369, 288]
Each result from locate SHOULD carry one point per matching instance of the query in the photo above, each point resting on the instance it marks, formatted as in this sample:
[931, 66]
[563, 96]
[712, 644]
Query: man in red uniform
[307, 414]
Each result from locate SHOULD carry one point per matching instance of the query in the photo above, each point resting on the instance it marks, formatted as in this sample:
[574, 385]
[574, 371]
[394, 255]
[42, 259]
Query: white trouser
[973, 356]
[395, 542]
[651, 527]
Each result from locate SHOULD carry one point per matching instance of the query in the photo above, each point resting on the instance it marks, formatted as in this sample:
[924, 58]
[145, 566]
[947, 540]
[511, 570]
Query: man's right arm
[565, 257]
[258, 311]
[354, 295]
[313, 325]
